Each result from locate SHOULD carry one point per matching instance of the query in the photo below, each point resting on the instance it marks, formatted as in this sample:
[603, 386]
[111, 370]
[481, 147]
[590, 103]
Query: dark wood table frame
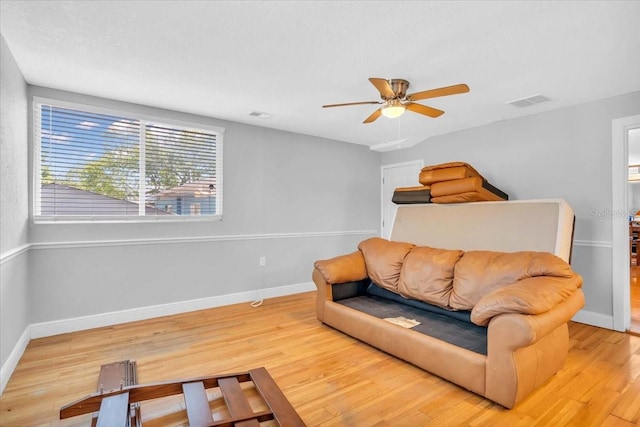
[114, 406]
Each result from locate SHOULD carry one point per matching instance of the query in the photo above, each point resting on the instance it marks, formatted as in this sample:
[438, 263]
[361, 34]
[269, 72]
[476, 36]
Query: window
[94, 165]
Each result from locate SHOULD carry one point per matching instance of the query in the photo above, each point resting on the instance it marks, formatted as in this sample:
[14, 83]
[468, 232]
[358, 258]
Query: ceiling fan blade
[443, 91]
[351, 103]
[373, 116]
[383, 87]
[423, 109]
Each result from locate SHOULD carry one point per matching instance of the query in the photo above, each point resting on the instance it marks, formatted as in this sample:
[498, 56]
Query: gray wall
[289, 197]
[13, 153]
[14, 313]
[564, 153]
[292, 198]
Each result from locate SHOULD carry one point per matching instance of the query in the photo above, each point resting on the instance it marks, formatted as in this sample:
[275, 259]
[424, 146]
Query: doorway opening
[622, 248]
[633, 197]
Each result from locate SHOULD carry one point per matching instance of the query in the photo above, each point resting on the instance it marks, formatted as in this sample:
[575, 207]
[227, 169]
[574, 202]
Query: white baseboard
[12, 361]
[594, 319]
[56, 327]
[46, 329]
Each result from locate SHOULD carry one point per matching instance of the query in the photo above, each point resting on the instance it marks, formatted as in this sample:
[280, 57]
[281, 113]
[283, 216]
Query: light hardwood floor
[330, 378]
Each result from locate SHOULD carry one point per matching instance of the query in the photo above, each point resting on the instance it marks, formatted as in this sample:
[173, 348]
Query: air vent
[529, 101]
[260, 115]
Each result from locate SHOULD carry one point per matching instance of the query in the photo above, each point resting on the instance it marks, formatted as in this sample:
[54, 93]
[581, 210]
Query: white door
[393, 176]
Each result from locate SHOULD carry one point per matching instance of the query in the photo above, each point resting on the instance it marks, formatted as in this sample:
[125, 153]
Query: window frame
[147, 119]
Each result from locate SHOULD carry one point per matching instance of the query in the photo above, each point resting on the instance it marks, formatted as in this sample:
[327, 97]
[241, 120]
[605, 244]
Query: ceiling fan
[395, 99]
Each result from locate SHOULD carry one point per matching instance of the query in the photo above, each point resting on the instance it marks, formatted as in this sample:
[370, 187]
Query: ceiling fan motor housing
[399, 87]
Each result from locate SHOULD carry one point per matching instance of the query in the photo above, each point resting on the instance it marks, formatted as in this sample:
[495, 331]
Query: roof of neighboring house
[201, 188]
[57, 199]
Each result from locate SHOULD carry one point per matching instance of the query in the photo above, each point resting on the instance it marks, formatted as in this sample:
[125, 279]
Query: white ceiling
[225, 59]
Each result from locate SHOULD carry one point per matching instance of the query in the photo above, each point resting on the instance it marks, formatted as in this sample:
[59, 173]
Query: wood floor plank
[613, 421]
[329, 378]
[628, 406]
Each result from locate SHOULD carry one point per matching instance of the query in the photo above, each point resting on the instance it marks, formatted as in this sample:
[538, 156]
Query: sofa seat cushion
[446, 172]
[456, 186]
[482, 195]
[427, 274]
[474, 189]
[384, 260]
[478, 273]
[535, 295]
[409, 195]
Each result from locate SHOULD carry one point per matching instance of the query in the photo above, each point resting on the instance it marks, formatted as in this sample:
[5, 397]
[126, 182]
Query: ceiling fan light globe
[393, 111]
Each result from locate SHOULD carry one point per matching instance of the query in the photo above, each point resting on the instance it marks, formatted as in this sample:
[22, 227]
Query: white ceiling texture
[227, 59]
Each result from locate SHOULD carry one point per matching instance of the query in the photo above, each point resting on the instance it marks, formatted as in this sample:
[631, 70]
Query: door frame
[419, 162]
[620, 270]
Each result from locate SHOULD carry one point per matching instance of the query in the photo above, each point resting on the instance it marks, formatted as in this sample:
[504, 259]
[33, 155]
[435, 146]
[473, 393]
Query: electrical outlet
[262, 261]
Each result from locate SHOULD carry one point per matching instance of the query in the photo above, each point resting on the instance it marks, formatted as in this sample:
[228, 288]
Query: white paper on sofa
[402, 321]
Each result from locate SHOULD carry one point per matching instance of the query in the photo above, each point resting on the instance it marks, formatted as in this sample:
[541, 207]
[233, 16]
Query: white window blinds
[103, 166]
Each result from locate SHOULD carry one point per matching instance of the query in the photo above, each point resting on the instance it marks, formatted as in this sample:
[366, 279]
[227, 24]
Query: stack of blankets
[454, 182]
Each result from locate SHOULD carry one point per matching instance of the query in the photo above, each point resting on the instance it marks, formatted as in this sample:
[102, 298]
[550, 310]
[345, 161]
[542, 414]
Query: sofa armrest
[524, 351]
[343, 269]
[534, 295]
[511, 331]
[335, 271]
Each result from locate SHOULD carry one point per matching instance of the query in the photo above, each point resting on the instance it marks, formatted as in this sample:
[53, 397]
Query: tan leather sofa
[524, 295]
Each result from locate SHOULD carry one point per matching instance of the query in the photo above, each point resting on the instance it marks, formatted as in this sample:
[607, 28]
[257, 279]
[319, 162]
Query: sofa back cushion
[427, 274]
[480, 272]
[384, 260]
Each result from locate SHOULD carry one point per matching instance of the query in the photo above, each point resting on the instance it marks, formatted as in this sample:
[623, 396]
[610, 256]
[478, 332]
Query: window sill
[124, 220]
